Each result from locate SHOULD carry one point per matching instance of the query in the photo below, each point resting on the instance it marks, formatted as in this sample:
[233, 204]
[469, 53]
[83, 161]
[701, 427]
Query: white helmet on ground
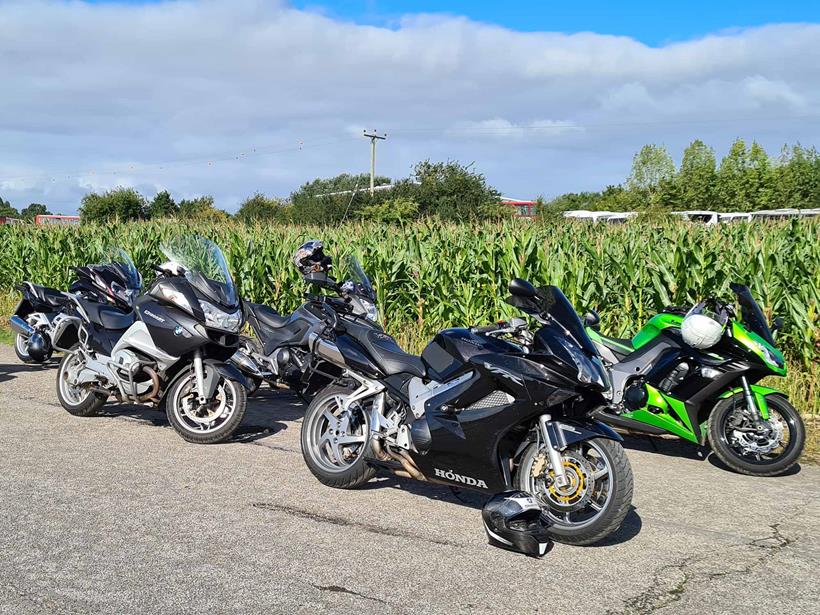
[701, 328]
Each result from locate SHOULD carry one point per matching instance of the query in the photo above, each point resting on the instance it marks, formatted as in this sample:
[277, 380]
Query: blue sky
[651, 22]
[231, 97]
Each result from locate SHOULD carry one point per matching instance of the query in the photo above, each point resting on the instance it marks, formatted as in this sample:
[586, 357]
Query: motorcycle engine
[635, 396]
[675, 377]
[124, 359]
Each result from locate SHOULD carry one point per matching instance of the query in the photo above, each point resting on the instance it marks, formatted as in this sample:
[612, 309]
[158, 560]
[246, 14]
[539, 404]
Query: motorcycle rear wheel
[21, 351]
[599, 495]
[75, 400]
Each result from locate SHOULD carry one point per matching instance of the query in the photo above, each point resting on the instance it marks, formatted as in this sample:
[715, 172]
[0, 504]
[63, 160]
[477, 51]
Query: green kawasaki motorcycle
[675, 377]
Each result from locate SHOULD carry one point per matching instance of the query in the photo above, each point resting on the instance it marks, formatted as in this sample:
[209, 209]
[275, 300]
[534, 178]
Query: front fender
[568, 432]
[760, 394]
[229, 371]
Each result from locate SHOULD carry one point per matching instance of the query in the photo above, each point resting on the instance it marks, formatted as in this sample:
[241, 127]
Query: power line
[178, 163]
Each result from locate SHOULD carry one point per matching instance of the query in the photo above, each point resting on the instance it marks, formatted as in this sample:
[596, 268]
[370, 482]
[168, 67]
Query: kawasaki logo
[458, 478]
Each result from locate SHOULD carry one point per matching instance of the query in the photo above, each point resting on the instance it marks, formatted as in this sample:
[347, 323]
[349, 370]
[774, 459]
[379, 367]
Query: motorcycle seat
[108, 316]
[267, 316]
[50, 296]
[389, 356]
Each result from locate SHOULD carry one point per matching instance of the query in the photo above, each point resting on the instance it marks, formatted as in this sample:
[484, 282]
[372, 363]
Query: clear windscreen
[120, 259]
[352, 270]
[205, 267]
[751, 315]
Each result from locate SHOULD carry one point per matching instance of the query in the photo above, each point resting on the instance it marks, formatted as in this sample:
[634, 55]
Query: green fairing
[674, 417]
[652, 329]
[760, 393]
[755, 343]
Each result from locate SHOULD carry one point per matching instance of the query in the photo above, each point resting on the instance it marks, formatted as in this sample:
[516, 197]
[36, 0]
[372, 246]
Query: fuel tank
[451, 350]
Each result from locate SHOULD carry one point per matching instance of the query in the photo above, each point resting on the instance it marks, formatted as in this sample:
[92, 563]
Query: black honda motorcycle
[172, 349]
[279, 353]
[39, 318]
[491, 409]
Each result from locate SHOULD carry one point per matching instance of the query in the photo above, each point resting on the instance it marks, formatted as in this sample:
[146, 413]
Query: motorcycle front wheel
[336, 441]
[211, 423]
[756, 447]
[598, 497]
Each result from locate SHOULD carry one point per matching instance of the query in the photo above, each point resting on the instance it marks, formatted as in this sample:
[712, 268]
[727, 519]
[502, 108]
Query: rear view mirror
[522, 288]
[592, 319]
[777, 324]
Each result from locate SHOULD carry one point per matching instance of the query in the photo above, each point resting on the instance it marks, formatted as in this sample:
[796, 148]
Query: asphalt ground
[116, 514]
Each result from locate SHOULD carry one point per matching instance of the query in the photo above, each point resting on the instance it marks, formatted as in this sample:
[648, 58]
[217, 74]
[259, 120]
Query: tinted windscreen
[556, 304]
[119, 258]
[205, 267]
[751, 315]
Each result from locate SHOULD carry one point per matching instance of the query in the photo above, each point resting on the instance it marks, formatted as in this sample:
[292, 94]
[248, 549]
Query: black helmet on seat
[311, 259]
[514, 520]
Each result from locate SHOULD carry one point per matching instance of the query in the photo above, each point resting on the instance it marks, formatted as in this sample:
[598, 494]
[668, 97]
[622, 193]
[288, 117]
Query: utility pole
[373, 136]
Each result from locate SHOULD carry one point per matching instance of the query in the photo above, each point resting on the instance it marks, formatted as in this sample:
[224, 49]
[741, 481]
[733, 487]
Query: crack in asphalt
[655, 598]
[374, 529]
[343, 590]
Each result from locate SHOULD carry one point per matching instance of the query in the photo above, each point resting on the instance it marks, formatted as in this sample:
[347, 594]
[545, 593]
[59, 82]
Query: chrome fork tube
[556, 461]
[750, 399]
[199, 372]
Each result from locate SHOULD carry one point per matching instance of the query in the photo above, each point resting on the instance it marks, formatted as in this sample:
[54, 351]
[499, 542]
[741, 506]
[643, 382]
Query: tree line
[746, 179]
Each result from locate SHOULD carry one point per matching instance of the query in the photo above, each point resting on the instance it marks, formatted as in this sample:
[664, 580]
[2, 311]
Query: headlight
[590, 370]
[770, 356]
[217, 319]
[371, 311]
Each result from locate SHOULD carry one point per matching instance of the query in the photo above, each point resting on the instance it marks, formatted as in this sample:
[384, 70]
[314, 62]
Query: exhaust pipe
[327, 351]
[246, 364]
[20, 326]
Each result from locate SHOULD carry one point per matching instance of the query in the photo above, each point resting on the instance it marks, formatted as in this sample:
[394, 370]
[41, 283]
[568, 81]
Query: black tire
[19, 350]
[185, 428]
[351, 476]
[612, 515]
[90, 405]
[743, 465]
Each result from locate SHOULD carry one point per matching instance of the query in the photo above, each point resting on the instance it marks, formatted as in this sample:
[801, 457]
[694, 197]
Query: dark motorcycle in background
[172, 349]
[38, 318]
[493, 409]
[279, 352]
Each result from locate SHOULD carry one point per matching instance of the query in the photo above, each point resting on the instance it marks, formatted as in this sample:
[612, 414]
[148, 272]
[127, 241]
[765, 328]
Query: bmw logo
[178, 330]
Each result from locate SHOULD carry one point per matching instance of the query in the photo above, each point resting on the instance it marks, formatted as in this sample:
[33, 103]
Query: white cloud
[107, 88]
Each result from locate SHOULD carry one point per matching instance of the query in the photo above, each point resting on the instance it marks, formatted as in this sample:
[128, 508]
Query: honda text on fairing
[172, 348]
[279, 351]
[694, 374]
[39, 315]
[493, 409]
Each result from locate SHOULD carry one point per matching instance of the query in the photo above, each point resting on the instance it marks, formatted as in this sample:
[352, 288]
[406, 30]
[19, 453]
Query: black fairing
[172, 330]
[274, 330]
[450, 350]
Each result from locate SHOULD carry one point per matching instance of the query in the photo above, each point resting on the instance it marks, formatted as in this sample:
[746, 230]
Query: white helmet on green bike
[702, 328]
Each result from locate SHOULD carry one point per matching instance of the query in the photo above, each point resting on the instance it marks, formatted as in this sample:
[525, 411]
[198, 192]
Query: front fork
[757, 410]
[199, 373]
[556, 461]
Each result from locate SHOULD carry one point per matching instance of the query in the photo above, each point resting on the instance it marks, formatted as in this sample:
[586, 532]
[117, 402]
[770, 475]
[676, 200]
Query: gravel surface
[116, 514]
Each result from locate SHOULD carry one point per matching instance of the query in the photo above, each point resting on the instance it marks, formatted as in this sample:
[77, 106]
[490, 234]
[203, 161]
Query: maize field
[429, 275]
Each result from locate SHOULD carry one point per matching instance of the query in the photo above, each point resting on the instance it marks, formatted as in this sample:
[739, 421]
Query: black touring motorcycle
[279, 352]
[493, 409]
[171, 349]
[39, 318]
